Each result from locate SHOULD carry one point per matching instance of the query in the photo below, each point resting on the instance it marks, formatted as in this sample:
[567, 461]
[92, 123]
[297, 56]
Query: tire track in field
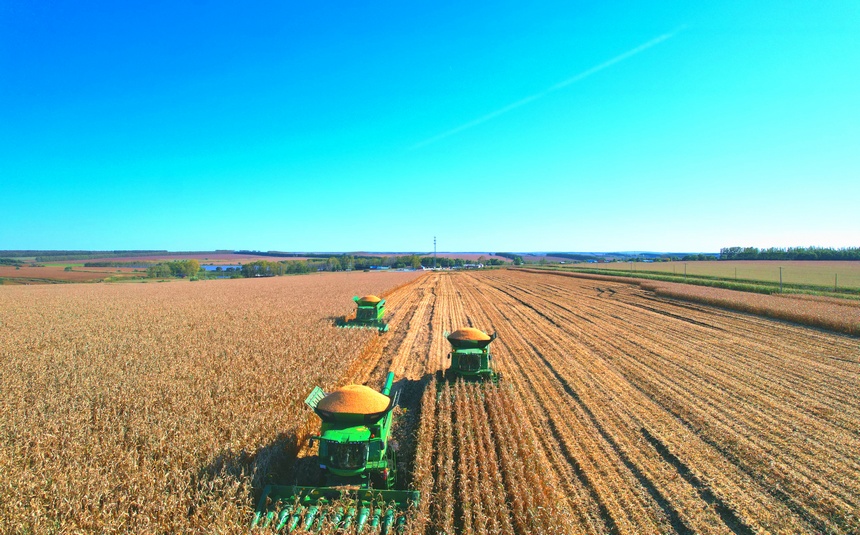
[408, 358]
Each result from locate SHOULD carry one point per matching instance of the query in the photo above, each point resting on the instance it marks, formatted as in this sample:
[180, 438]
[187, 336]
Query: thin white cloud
[561, 85]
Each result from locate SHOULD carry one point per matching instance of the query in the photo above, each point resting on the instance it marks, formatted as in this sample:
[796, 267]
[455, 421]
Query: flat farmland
[162, 408]
[624, 412]
[621, 411]
[845, 274]
[58, 274]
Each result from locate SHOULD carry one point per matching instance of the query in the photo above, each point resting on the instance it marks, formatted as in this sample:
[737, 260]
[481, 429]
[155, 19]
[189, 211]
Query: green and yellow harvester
[368, 315]
[358, 468]
[470, 356]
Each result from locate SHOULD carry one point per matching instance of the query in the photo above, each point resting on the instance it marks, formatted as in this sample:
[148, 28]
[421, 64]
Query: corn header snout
[357, 464]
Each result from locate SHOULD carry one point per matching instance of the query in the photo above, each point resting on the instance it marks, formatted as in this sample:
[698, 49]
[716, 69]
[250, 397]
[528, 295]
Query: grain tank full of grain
[470, 356]
[369, 312]
[358, 467]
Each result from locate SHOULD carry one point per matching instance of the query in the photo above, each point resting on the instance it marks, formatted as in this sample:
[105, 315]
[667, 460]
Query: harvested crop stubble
[830, 314]
[732, 423]
[469, 333]
[837, 315]
[355, 399]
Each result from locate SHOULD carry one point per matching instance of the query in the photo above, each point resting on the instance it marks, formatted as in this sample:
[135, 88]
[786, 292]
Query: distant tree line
[696, 257]
[63, 252]
[280, 254]
[60, 256]
[574, 256]
[9, 262]
[258, 268]
[517, 259]
[265, 268]
[274, 268]
[119, 264]
[790, 253]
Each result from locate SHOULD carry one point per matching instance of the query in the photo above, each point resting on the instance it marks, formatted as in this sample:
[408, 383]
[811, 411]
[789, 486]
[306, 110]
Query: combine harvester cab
[368, 315]
[470, 356]
[358, 467]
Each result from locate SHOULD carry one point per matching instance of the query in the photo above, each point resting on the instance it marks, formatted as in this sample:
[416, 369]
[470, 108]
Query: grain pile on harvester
[359, 468]
[368, 315]
[470, 356]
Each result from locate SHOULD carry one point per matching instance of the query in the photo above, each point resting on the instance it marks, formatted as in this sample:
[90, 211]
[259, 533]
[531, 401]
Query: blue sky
[495, 126]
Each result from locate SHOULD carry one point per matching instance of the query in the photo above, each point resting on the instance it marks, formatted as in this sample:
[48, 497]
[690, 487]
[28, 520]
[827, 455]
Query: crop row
[163, 408]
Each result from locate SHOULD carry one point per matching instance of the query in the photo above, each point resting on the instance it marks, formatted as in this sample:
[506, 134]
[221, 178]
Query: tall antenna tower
[434, 252]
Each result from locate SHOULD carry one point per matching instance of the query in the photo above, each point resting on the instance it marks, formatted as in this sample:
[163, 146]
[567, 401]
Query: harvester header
[470, 356]
[358, 467]
[368, 315]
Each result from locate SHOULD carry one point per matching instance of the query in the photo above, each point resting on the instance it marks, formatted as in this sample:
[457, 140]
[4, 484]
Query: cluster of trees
[789, 253]
[265, 268]
[695, 257]
[411, 261]
[176, 268]
[517, 259]
[442, 262]
[258, 268]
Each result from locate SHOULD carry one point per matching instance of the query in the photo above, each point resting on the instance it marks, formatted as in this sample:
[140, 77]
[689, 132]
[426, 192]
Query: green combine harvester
[369, 314]
[359, 469]
[470, 356]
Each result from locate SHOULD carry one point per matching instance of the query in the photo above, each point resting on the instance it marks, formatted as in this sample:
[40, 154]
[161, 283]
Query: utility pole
[434, 253]
[780, 279]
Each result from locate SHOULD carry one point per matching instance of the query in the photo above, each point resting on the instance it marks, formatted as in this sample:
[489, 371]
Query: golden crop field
[843, 274]
[159, 408]
[165, 408]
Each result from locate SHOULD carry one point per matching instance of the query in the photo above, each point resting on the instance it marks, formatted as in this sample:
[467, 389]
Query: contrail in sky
[572, 80]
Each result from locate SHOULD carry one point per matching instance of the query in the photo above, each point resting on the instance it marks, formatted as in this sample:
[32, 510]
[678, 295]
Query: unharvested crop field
[165, 407]
[160, 408]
